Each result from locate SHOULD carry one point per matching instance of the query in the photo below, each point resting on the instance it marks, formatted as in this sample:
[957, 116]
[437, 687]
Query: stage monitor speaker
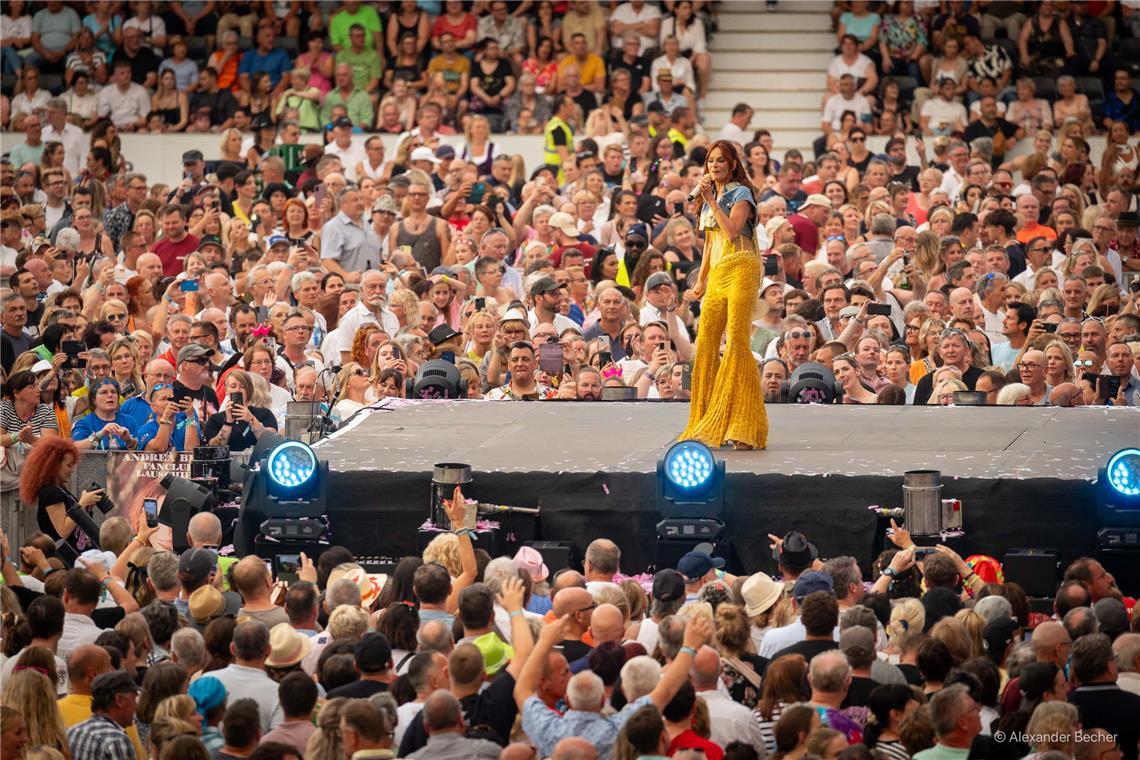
[668, 553]
[556, 555]
[1035, 570]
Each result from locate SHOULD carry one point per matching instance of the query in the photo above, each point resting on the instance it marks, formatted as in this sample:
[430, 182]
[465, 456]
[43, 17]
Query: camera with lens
[104, 504]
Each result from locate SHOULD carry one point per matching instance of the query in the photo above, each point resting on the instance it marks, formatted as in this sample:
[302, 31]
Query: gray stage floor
[973, 442]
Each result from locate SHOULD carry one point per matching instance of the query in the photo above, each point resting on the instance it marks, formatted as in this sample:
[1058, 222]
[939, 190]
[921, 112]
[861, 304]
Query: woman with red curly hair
[44, 483]
[140, 297]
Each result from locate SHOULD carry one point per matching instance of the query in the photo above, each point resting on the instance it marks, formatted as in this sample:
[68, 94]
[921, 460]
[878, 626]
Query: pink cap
[530, 559]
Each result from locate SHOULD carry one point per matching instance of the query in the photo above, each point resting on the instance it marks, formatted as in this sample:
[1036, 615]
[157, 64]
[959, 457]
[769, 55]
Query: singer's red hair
[42, 467]
[737, 173]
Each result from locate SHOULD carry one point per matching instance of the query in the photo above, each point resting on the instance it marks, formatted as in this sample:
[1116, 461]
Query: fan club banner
[131, 476]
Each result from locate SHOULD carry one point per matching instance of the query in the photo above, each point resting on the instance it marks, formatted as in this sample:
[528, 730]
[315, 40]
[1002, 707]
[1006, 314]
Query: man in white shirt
[661, 305]
[246, 677]
[371, 308]
[638, 16]
[729, 721]
[991, 298]
[80, 598]
[736, 130]
[943, 114]
[59, 129]
[847, 99]
[124, 101]
[547, 295]
[794, 632]
[342, 146]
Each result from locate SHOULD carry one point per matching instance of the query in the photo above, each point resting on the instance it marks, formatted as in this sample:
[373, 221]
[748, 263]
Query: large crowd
[139, 652]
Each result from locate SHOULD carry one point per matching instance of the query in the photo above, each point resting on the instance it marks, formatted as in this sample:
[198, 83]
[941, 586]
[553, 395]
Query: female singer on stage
[727, 404]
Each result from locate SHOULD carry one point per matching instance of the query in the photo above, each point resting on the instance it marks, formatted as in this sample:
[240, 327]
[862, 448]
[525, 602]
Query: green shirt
[359, 107]
[942, 752]
[342, 22]
[365, 66]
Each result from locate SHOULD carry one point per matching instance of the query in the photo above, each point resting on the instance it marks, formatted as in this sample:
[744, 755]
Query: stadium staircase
[775, 61]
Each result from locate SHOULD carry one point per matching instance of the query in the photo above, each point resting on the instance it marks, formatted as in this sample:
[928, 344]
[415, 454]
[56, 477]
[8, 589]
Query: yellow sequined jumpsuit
[727, 403]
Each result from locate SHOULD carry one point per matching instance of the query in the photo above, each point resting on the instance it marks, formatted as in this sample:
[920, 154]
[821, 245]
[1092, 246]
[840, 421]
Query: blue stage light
[292, 468]
[1123, 472]
[690, 467]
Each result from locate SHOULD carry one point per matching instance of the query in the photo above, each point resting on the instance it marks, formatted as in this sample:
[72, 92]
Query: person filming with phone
[245, 418]
[1120, 386]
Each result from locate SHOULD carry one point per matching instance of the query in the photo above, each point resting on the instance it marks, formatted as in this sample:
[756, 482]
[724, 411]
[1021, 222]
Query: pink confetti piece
[606, 488]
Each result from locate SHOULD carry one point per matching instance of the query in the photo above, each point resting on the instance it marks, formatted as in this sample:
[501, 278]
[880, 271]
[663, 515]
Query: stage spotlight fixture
[292, 469]
[284, 494]
[435, 380]
[813, 383]
[184, 499]
[690, 482]
[1123, 471]
[1118, 498]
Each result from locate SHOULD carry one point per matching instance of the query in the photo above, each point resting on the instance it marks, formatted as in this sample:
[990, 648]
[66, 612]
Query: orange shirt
[228, 74]
[1030, 231]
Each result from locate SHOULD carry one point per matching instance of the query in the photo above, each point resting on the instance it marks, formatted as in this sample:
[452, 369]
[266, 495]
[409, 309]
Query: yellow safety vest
[677, 136]
[550, 153]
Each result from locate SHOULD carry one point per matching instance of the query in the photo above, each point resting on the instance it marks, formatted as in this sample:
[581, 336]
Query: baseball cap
[278, 240]
[496, 652]
[848, 311]
[695, 565]
[857, 642]
[796, 552]
[810, 582]
[372, 653]
[195, 565]
[192, 156]
[444, 152]
[43, 365]
[192, 351]
[998, 634]
[210, 240]
[424, 153]
[262, 121]
[343, 121]
[668, 585]
[774, 224]
[760, 593]
[816, 199]
[563, 222]
[637, 230]
[544, 285]
[110, 684]
[442, 333]
[39, 242]
[658, 278]
[529, 559]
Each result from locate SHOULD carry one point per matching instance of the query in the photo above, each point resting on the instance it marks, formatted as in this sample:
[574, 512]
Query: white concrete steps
[774, 61]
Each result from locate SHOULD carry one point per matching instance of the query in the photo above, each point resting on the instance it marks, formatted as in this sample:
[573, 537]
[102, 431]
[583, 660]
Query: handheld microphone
[695, 192]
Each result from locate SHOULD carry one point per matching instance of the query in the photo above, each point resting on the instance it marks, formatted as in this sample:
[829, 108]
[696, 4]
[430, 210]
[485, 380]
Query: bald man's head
[1051, 643]
[607, 624]
[573, 748]
[706, 669]
[85, 663]
[571, 600]
[205, 529]
[567, 579]
[252, 579]
[442, 713]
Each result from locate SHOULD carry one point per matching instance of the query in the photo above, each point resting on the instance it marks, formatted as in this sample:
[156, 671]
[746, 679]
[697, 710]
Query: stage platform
[1025, 475]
